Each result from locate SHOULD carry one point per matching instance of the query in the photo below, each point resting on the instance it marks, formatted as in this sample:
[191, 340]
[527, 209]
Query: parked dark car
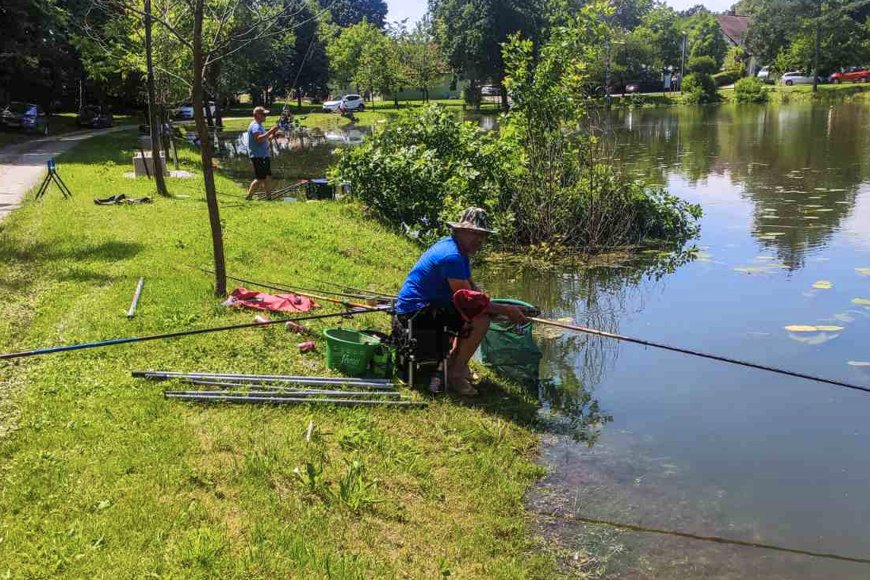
[25, 116]
[95, 117]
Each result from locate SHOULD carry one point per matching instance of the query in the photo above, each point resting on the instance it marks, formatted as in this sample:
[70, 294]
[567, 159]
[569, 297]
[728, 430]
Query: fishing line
[346, 287]
[289, 288]
[714, 539]
[132, 339]
[700, 354]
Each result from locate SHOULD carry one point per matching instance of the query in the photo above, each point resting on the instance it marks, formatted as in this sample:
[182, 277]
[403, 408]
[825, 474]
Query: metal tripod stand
[53, 176]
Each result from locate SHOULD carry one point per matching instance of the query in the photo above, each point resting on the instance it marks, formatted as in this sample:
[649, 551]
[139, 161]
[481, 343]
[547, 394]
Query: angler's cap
[261, 110]
[475, 219]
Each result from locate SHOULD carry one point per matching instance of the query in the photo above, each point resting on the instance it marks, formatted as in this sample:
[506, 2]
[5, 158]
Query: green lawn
[101, 477]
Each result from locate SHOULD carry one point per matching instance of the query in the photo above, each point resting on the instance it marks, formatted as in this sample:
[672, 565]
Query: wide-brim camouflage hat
[475, 219]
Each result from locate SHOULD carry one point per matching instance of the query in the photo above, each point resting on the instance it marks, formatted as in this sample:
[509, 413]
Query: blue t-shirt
[257, 148]
[427, 283]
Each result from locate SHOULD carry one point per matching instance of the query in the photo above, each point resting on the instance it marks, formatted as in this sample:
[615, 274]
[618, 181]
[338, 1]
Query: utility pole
[683, 61]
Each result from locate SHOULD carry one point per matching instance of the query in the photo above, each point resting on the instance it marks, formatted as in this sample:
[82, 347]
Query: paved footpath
[22, 165]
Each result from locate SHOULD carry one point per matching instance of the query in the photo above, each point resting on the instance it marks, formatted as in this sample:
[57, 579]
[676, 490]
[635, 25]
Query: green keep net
[510, 350]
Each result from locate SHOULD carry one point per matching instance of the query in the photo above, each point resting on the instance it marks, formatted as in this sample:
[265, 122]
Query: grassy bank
[100, 476]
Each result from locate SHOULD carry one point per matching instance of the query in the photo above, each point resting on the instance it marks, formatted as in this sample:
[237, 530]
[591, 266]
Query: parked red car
[855, 74]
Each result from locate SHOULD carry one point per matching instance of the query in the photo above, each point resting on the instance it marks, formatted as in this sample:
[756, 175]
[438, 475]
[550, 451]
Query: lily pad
[863, 271]
[859, 363]
[802, 328]
[812, 328]
[861, 301]
[823, 285]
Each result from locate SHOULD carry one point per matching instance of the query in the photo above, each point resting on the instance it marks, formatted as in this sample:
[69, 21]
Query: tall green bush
[545, 178]
[702, 64]
[699, 89]
[750, 90]
[422, 169]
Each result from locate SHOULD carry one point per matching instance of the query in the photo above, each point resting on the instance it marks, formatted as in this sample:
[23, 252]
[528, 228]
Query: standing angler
[427, 296]
[259, 151]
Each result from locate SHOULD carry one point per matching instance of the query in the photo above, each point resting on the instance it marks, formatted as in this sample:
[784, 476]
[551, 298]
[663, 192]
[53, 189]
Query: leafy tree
[309, 64]
[702, 64]
[471, 32]
[349, 12]
[37, 60]
[772, 25]
[735, 62]
[421, 57]
[705, 37]
[628, 14]
[661, 27]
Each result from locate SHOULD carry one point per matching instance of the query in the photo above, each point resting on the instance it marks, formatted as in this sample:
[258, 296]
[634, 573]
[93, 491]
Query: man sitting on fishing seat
[427, 296]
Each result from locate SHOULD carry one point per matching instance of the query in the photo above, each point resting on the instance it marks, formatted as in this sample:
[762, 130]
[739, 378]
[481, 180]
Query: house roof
[734, 27]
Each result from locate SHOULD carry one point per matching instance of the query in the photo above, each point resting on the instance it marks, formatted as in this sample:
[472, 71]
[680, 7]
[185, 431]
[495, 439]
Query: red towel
[244, 298]
[470, 303]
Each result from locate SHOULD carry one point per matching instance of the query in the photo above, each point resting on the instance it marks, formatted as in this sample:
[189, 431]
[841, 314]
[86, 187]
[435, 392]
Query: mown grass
[101, 477]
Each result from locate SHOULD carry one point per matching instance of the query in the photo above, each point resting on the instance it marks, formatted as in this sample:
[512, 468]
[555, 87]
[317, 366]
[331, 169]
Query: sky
[413, 10]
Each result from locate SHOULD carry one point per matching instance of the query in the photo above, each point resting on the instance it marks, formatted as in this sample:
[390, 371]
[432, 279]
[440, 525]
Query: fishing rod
[700, 354]
[345, 303]
[281, 400]
[290, 288]
[133, 339]
[351, 288]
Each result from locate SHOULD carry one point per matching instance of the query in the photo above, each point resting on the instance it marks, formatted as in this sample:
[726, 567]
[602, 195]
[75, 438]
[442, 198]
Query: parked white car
[765, 75]
[796, 78]
[185, 111]
[351, 103]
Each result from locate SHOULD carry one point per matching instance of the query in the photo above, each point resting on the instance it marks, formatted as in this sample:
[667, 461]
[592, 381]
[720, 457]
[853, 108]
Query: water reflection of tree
[598, 297]
[800, 165]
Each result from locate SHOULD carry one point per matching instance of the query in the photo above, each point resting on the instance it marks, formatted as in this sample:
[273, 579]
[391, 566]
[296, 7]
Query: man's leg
[466, 346]
[251, 189]
[267, 185]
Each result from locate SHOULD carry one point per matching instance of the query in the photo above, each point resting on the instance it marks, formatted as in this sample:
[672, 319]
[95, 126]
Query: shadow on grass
[42, 252]
[508, 401]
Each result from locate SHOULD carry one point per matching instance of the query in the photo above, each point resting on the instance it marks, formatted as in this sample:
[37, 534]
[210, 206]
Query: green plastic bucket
[349, 351]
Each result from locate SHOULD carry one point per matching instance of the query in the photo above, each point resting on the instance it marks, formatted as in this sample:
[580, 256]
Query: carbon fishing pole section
[177, 334]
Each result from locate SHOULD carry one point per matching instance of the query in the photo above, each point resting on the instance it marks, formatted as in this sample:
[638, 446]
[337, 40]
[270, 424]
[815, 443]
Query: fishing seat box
[319, 189]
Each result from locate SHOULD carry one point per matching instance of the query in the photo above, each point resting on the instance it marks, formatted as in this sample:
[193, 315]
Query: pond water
[644, 436]
[663, 440]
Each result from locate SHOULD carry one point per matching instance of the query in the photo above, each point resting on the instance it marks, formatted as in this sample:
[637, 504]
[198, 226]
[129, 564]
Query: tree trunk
[299, 100]
[504, 99]
[217, 238]
[816, 48]
[153, 116]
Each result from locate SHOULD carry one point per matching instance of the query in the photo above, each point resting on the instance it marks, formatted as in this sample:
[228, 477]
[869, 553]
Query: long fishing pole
[132, 339]
[346, 303]
[716, 357]
[296, 289]
[351, 288]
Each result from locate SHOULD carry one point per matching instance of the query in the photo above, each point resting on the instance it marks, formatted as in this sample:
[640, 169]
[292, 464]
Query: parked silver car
[351, 103]
[797, 78]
